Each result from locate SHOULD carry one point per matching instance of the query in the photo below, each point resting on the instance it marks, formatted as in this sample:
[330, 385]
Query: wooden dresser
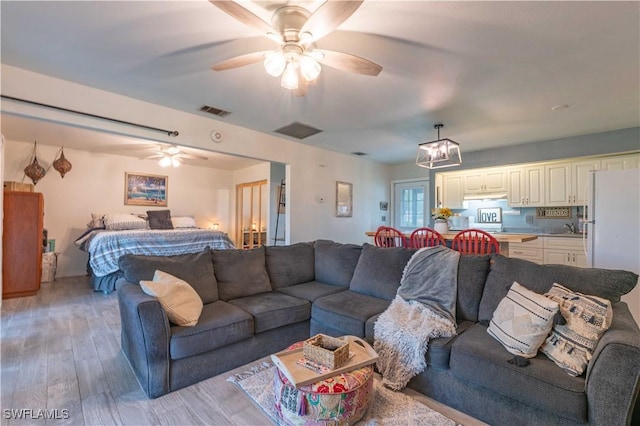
[22, 243]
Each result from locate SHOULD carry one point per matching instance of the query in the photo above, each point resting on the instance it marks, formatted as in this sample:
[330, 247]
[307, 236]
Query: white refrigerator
[613, 225]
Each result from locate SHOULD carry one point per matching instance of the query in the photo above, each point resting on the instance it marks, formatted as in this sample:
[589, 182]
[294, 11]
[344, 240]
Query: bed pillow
[159, 219]
[571, 345]
[123, 221]
[97, 220]
[179, 300]
[522, 321]
[183, 222]
[240, 273]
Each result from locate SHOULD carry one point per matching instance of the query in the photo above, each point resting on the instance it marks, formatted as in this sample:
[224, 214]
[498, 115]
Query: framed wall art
[145, 190]
[344, 199]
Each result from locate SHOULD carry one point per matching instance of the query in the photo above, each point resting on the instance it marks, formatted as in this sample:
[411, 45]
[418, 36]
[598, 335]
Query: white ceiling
[490, 71]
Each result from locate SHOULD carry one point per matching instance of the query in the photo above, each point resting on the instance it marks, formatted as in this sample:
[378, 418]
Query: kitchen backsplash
[521, 219]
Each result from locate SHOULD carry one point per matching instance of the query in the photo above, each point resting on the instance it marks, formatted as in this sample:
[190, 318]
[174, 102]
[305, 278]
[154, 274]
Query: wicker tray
[298, 375]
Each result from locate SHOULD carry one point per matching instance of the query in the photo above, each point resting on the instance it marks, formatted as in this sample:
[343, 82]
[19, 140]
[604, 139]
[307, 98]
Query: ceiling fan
[296, 30]
[173, 156]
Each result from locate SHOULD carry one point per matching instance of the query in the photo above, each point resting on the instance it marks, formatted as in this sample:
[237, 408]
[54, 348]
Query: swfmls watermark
[35, 413]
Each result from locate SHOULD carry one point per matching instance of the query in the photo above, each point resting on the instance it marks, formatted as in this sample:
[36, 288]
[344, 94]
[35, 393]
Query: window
[411, 204]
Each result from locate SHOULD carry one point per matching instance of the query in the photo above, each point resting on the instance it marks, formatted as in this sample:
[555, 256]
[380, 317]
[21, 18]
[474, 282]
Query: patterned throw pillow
[179, 300]
[571, 345]
[522, 320]
[122, 221]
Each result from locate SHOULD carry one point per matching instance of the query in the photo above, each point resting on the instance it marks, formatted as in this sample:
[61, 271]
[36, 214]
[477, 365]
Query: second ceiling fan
[296, 30]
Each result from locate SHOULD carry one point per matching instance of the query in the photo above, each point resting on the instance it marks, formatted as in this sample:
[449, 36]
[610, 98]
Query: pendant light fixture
[439, 153]
[34, 170]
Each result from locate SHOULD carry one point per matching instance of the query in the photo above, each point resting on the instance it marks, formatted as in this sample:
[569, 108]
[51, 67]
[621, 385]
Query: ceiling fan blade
[149, 157]
[191, 156]
[328, 17]
[348, 62]
[247, 17]
[240, 61]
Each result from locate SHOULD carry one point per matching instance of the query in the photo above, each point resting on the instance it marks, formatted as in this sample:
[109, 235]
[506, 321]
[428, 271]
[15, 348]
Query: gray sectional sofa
[259, 301]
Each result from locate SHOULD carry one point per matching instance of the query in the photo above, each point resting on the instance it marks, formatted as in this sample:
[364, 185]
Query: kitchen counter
[502, 237]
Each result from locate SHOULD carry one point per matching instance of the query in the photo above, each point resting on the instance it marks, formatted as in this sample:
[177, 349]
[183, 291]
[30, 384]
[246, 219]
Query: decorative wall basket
[62, 165]
[34, 170]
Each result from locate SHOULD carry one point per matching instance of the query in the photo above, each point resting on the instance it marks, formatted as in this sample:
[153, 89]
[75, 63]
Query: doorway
[411, 204]
[252, 201]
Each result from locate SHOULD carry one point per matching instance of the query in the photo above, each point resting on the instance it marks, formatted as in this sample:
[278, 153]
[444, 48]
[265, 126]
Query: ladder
[280, 210]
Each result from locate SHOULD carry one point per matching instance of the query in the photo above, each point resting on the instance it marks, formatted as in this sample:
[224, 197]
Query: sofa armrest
[145, 336]
[613, 375]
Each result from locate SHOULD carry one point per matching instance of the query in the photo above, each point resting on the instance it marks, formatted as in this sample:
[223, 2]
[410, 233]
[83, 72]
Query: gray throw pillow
[194, 268]
[379, 271]
[472, 274]
[335, 262]
[290, 265]
[608, 284]
[240, 273]
[159, 219]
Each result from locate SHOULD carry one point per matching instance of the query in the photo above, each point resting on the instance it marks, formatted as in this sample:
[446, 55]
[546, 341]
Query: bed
[105, 247]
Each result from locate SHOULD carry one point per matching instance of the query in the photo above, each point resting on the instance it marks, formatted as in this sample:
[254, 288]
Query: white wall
[95, 184]
[311, 171]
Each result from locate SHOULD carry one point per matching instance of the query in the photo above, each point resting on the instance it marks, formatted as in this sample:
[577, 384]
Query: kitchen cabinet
[620, 162]
[566, 182]
[485, 181]
[529, 250]
[439, 189]
[22, 243]
[525, 186]
[452, 196]
[564, 251]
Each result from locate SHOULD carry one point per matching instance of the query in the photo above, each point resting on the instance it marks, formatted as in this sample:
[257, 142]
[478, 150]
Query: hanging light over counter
[439, 153]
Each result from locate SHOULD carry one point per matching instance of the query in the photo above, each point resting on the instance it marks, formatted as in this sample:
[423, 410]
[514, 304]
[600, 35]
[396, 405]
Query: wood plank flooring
[60, 352]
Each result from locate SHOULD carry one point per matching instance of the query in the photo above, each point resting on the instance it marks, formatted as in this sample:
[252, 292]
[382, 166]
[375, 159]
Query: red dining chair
[425, 237]
[475, 241]
[387, 236]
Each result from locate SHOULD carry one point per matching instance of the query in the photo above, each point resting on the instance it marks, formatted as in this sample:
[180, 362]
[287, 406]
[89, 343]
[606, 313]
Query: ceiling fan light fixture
[175, 162]
[309, 67]
[165, 161]
[275, 63]
[290, 76]
[440, 153]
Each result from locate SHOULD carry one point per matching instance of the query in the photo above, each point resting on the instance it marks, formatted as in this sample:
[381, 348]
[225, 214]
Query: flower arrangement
[443, 213]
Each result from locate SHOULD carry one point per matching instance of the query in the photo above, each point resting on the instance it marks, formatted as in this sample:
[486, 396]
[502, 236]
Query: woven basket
[326, 350]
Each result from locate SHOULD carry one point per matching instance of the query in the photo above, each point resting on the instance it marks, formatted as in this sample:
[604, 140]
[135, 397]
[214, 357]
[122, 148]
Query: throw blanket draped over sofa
[257, 302]
[424, 308]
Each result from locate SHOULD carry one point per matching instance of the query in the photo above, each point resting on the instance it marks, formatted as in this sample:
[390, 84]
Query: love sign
[490, 215]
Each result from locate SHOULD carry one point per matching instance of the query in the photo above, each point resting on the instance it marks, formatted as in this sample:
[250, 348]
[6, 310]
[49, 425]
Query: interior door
[251, 214]
[411, 205]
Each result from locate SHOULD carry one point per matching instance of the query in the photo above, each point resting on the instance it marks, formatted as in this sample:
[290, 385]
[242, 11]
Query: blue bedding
[106, 247]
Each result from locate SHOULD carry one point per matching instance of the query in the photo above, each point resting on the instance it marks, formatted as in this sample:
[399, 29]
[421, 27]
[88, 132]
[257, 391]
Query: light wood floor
[60, 350]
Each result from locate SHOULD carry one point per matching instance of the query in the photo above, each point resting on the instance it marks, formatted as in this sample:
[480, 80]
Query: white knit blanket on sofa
[424, 308]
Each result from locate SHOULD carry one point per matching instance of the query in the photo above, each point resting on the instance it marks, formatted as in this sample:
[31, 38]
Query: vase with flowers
[441, 217]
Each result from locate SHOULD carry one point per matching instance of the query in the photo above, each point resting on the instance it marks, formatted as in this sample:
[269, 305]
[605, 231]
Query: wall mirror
[344, 199]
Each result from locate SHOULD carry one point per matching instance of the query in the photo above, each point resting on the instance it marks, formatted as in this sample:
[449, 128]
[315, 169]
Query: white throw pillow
[522, 320]
[183, 222]
[122, 221]
[179, 300]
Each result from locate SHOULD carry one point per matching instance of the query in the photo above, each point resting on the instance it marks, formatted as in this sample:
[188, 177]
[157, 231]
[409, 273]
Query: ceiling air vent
[359, 153]
[298, 130]
[215, 111]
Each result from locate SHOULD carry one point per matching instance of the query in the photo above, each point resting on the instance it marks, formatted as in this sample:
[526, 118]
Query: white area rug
[388, 407]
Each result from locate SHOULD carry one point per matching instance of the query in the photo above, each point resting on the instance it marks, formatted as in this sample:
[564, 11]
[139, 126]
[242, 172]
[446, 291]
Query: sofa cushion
[347, 311]
[311, 291]
[479, 359]
[220, 324]
[290, 265]
[194, 268]
[472, 274]
[240, 273]
[379, 271]
[571, 345]
[335, 262]
[522, 321]
[179, 300]
[273, 310]
[609, 284]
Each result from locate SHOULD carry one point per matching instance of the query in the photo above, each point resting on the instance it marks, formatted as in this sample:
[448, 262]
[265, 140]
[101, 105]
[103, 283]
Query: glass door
[411, 205]
[251, 210]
